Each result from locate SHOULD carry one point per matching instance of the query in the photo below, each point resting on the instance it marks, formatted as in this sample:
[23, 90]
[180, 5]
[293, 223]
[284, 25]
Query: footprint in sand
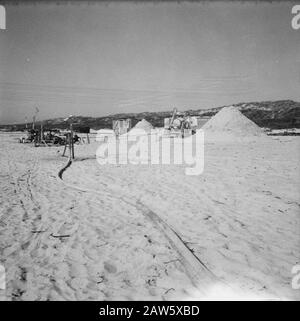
[110, 268]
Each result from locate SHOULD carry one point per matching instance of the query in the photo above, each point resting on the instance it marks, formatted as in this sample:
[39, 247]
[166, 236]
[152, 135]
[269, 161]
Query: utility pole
[34, 117]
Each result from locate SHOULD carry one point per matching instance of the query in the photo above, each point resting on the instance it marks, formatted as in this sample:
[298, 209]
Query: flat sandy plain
[90, 236]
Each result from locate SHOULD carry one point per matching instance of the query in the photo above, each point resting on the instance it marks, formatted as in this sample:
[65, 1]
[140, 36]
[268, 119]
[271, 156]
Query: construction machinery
[28, 136]
[180, 124]
[42, 137]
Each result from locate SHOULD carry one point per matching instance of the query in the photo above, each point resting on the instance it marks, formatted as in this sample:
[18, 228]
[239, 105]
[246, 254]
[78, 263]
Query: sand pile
[230, 123]
[143, 124]
[141, 128]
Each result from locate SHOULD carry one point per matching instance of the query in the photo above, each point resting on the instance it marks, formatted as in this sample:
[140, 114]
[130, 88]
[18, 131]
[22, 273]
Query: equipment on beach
[28, 137]
[180, 124]
[82, 130]
[69, 139]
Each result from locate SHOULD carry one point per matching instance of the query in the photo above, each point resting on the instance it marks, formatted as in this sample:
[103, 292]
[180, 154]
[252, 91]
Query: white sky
[100, 59]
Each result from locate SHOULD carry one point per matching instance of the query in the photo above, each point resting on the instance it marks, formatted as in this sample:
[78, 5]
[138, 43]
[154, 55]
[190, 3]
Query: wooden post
[70, 147]
[72, 141]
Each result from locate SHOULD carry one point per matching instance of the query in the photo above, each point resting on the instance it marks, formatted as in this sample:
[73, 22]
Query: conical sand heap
[230, 124]
[141, 128]
[144, 124]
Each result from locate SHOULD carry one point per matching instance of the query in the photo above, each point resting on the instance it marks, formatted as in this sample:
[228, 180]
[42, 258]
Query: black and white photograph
[149, 151]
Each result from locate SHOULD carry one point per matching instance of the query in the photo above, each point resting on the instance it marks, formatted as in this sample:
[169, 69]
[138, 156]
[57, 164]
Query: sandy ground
[89, 236]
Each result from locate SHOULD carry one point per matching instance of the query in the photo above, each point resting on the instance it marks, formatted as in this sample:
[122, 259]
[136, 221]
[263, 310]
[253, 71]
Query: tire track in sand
[201, 277]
